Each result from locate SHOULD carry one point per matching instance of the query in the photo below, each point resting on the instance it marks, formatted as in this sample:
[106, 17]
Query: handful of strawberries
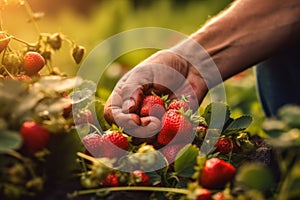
[181, 136]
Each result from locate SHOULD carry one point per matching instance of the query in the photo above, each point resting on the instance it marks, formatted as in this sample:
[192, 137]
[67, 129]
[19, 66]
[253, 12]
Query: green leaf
[52, 106]
[290, 114]
[57, 83]
[9, 140]
[255, 176]
[238, 124]
[216, 115]
[83, 95]
[186, 160]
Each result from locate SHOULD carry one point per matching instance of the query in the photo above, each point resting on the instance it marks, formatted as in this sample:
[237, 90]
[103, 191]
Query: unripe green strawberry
[152, 105]
[4, 40]
[35, 136]
[147, 157]
[33, 62]
[174, 123]
[140, 178]
[216, 173]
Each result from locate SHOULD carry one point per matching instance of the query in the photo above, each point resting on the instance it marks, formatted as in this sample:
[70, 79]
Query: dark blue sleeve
[278, 81]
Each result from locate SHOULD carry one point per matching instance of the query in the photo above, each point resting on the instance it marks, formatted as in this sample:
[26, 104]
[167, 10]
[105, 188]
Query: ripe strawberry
[94, 144]
[203, 194]
[152, 105]
[225, 146]
[177, 104]
[171, 151]
[4, 40]
[111, 180]
[35, 136]
[116, 144]
[216, 173]
[33, 62]
[174, 124]
[140, 178]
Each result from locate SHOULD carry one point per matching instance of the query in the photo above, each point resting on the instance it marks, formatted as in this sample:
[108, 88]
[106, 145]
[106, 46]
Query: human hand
[164, 73]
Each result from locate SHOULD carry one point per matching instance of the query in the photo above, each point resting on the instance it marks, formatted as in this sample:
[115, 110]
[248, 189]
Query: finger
[149, 127]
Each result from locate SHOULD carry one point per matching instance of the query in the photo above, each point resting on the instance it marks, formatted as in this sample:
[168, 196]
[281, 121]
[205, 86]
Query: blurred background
[90, 22]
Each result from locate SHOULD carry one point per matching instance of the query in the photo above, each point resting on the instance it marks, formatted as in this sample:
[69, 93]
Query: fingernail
[128, 105]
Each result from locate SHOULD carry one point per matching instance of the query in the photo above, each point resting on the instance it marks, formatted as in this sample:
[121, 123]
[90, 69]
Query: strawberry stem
[87, 157]
[22, 41]
[8, 73]
[31, 15]
[128, 188]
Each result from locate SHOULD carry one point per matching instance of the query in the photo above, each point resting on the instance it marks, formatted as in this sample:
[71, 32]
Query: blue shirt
[278, 81]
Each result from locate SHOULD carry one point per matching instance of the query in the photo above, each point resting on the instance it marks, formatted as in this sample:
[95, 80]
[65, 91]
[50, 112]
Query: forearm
[248, 32]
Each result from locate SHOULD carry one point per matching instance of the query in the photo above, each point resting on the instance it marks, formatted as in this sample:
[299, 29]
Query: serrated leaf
[238, 124]
[83, 95]
[22, 108]
[216, 115]
[9, 140]
[57, 83]
[186, 160]
[53, 106]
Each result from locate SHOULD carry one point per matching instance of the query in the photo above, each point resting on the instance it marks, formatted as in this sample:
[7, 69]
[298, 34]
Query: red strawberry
[171, 151]
[33, 62]
[140, 178]
[203, 194]
[152, 105]
[216, 173]
[35, 136]
[174, 124]
[225, 146]
[94, 144]
[111, 180]
[4, 40]
[116, 144]
[177, 104]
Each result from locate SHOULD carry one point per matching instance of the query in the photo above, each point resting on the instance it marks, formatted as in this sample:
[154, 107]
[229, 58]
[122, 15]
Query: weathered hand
[163, 73]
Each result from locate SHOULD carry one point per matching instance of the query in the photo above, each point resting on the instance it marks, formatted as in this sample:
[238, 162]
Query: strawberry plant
[38, 139]
[177, 169]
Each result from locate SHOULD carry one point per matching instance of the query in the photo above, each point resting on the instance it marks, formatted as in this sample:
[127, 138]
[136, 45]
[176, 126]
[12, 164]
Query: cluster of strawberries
[177, 130]
[31, 62]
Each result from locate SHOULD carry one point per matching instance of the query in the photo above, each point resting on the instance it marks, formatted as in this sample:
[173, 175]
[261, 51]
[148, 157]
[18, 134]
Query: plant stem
[127, 188]
[9, 74]
[31, 15]
[22, 41]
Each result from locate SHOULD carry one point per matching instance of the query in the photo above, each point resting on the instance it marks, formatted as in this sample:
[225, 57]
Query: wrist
[200, 62]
